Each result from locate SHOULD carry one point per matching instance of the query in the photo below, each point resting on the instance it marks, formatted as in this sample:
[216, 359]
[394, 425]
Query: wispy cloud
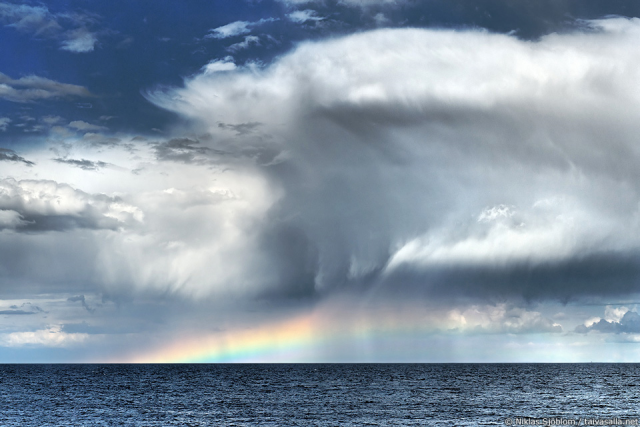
[248, 41]
[302, 16]
[11, 156]
[32, 88]
[236, 28]
[83, 164]
[71, 29]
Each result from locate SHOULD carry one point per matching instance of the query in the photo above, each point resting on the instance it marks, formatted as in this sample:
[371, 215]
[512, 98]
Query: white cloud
[33, 19]
[4, 123]
[49, 337]
[500, 318]
[236, 28]
[614, 314]
[84, 126]
[380, 19]
[10, 219]
[71, 29]
[217, 65]
[302, 16]
[48, 205]
[248, 41]
[51, 120]
[80, 40]
[233, 29]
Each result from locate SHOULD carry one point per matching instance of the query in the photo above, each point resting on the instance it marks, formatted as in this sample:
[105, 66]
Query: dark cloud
[183, 150]
[11, 156]
[83, 164]
[20, 310]
[82, 300]
[595, 275]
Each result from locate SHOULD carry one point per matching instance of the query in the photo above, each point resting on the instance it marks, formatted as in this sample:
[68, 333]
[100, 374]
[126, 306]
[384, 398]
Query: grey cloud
[83, 164]
[20, 310]
[83, 328]
[183, 150]
[629, 324]
[82, 299]
[240, 128]
[11, 156]
[595, 275]
[32, 88]
[16, 312]
[84, 126]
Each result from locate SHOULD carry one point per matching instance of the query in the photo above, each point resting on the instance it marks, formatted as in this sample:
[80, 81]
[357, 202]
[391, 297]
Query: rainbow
[302, 338]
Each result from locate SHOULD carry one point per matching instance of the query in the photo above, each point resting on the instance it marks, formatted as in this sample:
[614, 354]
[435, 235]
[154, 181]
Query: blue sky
[355, 180]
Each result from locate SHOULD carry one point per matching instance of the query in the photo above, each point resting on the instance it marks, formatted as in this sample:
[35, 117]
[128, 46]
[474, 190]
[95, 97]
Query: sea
[319, 394]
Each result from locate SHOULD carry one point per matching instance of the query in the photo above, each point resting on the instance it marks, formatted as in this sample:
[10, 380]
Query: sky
[319, 181]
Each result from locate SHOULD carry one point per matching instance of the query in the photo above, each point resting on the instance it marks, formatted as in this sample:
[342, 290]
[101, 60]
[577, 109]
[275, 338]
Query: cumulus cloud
[80, 40]
[32, 88]
[629, 323]
[52, 336]
[447, 162]
[500, 318]
[39, 205]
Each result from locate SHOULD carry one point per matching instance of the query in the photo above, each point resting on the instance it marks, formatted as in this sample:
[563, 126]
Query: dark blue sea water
[315, 395]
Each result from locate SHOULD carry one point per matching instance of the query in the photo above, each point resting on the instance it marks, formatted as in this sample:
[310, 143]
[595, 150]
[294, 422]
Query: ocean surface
[317, 394]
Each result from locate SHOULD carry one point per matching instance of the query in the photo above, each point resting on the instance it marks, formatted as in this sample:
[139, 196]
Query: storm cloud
[446, 162]
[460, 168]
